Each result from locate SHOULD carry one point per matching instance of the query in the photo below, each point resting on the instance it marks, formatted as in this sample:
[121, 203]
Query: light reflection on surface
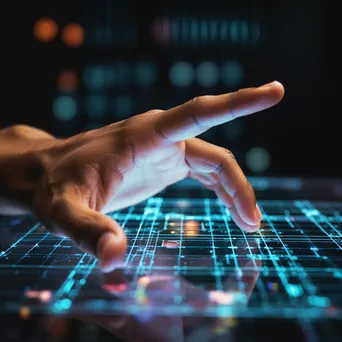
[165, 290]
[191, 228]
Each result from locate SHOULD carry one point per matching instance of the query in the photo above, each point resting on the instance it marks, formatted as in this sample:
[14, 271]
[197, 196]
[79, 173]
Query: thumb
[92, 231]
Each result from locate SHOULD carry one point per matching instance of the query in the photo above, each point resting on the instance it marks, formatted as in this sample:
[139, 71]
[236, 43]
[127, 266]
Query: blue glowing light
[294, 290]
[181, 74]
[319, 301]
[207, 74]
[95, 77]
[258, 159]
[64, 108]
[289, 268]
[66, 303]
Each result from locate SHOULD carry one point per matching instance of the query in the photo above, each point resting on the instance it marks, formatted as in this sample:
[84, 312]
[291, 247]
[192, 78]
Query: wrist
[25, 156]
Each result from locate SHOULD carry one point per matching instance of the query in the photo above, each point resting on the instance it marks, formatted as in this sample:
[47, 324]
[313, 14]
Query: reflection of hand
[161, 290]
[70, 183]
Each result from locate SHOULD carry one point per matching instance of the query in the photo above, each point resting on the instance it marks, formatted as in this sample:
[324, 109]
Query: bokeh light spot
[73, 35]
[45, 30]
[258, 159]
[94, 77]
[207, 74]
[181, 74]
[67, 80]
[232, 73]
[24, 313]
[64, 108]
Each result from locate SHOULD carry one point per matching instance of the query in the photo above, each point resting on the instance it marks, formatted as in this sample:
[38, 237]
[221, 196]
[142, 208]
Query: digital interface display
[185, 256]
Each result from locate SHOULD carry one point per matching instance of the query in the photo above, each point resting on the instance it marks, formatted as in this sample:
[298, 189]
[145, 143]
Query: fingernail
[106, 251]
[267, 85]
[258, 212]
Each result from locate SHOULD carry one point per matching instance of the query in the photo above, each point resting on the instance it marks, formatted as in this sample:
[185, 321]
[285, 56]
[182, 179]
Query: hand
[79, 179]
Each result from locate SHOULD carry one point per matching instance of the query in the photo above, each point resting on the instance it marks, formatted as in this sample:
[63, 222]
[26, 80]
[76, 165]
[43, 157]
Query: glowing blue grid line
[298, 259]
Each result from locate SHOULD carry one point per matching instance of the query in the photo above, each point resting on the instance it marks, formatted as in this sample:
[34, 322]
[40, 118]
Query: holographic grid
[185, 256]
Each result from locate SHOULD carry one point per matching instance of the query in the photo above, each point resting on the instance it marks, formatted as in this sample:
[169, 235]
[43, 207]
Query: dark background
[122, 69]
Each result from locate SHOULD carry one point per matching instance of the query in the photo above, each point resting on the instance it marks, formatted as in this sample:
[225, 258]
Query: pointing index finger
[200, 114]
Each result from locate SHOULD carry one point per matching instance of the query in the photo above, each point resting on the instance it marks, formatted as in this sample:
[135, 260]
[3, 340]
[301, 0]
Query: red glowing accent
[115, 287]
[170, 244]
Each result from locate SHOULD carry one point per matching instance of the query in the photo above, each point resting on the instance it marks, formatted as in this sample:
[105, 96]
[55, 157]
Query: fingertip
[251, 229]
[110, 250]
[278, 89]
[274, 89]
[242, 224]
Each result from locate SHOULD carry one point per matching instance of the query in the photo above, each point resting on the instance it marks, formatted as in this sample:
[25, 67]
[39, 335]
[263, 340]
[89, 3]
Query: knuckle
[226, 158]
[199, 101]
[227, 154]
[18, 130]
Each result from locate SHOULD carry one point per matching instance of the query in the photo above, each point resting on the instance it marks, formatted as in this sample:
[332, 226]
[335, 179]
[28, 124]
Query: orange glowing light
[45, 30]
[73, 35]
[67, 80]
[24, 313]
[191, 228]
[32, 294]
[144, 281]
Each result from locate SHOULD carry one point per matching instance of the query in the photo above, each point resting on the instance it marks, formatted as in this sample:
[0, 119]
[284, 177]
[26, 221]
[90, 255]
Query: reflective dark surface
[189, 272]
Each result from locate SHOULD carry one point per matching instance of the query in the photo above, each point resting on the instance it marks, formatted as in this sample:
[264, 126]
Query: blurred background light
[181, 74]
[258, 159]
[207, 74]
[191, 228]
[64, 108]
[232, 73]
[161, 30]
[96, 106]
[73, 35]
[45, 30]
[145, 74]
[94, 77]
[123, 107]
[67, 80]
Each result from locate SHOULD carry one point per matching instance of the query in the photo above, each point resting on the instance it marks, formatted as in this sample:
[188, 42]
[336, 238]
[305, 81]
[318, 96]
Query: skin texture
[69, 184]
